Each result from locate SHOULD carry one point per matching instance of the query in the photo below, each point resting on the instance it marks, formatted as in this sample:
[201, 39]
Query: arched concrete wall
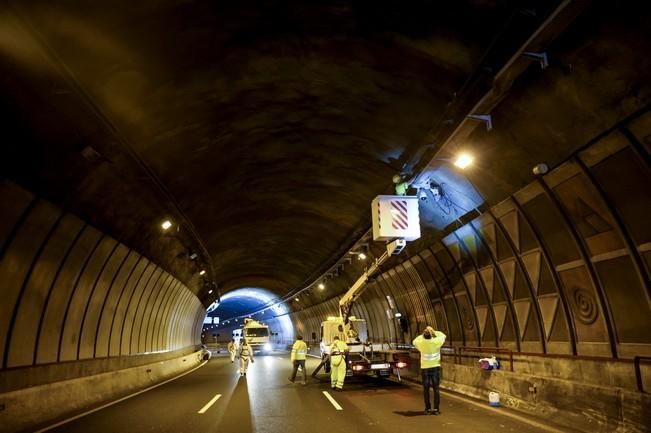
[70, 292]
[561, 267]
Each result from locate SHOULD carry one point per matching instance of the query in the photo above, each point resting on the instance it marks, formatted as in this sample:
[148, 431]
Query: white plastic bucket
[493, 399]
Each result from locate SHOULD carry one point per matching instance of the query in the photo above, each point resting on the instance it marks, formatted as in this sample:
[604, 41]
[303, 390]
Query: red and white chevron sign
[399, 214]
[395, 217]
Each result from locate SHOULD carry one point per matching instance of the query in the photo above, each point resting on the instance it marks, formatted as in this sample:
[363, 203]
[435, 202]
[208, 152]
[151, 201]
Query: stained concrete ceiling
[262, 129]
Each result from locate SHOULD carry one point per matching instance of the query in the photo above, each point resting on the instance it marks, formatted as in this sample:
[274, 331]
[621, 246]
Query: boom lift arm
[346, 301]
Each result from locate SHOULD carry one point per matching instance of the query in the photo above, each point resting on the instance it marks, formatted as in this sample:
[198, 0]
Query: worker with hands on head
[246, 354]
[429, 345]
[232, 349]
[299, 352]
[338, 365]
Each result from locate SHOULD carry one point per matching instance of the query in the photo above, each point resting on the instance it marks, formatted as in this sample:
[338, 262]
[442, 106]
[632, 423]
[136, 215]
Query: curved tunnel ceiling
[265, 130]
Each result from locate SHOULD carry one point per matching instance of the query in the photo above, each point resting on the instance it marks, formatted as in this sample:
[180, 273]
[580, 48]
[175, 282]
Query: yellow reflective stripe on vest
[301, 352]
[431, 356]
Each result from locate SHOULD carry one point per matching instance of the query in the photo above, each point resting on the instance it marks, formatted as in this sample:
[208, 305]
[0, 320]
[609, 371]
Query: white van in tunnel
[257, 334]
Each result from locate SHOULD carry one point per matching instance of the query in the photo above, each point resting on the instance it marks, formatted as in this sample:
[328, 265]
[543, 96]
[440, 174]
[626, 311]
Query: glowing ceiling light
[464, 160]
[321, 286]
[166, 224]
[361, 256]
[209, 291]
[296, 299]
[203, 272]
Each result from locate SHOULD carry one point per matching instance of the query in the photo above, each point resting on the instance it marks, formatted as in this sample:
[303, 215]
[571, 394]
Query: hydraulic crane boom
[346, 301]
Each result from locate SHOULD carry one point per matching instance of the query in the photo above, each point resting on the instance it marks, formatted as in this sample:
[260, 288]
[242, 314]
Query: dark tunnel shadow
[237, 417]
[410, 413]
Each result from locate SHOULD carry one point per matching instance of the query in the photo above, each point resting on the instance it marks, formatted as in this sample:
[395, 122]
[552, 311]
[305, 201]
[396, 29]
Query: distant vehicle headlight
[267, 347]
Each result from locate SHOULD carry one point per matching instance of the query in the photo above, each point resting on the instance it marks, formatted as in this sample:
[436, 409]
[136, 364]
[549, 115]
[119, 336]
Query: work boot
[290, 379]
[436, 412]
[427, 411]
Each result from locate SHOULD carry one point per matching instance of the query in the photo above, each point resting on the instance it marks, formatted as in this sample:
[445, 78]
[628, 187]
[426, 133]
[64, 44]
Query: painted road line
[332, 400]
[66, 421]
[210, 403]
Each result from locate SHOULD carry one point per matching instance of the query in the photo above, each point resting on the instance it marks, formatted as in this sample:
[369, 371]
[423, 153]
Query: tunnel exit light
[166, 224]
[464, 160]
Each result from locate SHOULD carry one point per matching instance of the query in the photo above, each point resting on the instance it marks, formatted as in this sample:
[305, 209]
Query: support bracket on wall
[486, 118]
[541, 58]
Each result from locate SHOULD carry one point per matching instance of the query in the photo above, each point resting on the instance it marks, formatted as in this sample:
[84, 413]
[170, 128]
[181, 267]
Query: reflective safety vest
[430, 349]
[299, 350]
[338, 348]
[245, 351]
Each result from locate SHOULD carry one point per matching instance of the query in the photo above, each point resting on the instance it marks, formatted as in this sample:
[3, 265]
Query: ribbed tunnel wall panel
[73, 293]
[560, 267]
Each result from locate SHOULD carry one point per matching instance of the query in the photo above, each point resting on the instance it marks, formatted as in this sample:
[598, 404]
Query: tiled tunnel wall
[561, 267]
[70, 292]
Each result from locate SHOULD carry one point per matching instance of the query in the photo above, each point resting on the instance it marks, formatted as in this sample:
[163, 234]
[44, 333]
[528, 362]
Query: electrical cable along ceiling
[262, 132]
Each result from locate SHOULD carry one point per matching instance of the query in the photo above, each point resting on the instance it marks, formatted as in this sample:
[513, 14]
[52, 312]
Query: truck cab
[257, 334]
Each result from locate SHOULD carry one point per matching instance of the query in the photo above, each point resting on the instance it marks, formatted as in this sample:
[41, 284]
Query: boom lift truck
[395, 219]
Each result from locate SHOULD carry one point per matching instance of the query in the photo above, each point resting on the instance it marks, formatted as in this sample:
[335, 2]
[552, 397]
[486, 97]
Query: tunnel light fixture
[361, 256]
[398, 315]
[321, 286]
[203, 272]
[209, 291]
[296, 299]
[165, 225]
[463, 160]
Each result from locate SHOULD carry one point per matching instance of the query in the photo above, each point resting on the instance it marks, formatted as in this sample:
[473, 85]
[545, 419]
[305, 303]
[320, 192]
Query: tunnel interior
[167, 164]
[225, 316]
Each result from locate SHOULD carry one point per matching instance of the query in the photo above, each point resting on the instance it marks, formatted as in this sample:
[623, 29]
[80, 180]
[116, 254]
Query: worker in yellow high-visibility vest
[429, 345]
[338, 366]
[299, 352]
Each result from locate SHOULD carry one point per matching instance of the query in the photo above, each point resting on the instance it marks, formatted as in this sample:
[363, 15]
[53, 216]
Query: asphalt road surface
[214, 398]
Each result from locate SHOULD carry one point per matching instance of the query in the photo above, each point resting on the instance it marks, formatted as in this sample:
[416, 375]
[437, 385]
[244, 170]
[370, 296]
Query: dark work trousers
[298, 362]
[431, 378]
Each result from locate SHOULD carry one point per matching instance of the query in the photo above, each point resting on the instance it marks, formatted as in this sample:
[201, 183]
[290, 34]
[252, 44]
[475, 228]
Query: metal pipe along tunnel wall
[72, 293]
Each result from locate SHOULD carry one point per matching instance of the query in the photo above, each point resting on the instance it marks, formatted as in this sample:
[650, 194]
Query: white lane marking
[332, 400]
[66, 421]
[210, 403]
